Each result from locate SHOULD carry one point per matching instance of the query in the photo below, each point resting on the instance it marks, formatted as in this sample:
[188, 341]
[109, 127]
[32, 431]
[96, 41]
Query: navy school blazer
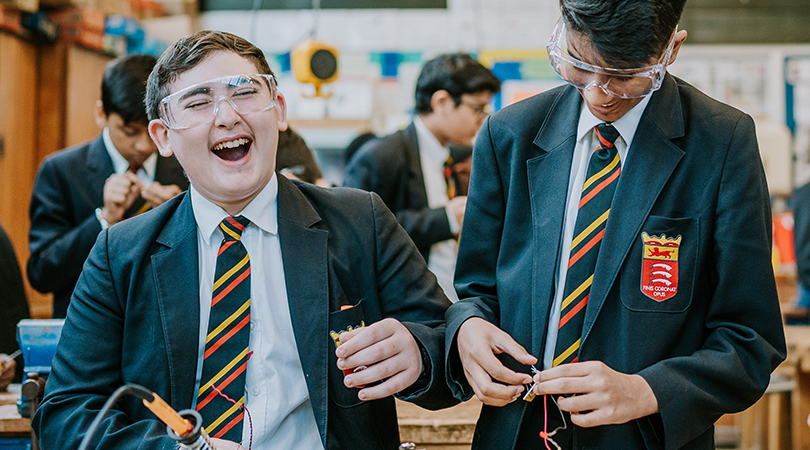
[693, 171]
[134, 318]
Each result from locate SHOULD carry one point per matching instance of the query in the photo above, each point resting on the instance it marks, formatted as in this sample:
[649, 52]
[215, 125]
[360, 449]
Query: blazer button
[255, 391]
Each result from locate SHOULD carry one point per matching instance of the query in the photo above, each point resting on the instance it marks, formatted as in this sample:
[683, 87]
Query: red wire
[545, 421]
[250, 420]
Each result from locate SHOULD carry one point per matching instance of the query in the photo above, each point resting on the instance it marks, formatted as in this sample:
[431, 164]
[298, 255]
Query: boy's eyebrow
[193, 92]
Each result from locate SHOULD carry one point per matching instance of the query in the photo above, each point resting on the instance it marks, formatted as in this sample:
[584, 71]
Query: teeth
[232, 144]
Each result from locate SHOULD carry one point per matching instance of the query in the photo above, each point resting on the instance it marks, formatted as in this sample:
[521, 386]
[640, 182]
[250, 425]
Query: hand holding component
[478, 342]
[226, 445]
[7, 369]
[389, 352]
[603, 395]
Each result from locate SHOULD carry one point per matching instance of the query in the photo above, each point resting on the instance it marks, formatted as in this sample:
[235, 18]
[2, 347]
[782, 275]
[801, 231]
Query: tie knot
[232, 227]
[607, 134]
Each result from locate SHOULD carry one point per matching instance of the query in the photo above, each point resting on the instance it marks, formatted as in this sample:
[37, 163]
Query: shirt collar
[626, 125]
[428, 144]
[120, 164]
[262, 211]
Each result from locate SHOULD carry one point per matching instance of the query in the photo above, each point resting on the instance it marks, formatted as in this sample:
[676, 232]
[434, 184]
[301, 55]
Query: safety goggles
[199, 104]
[621, 83]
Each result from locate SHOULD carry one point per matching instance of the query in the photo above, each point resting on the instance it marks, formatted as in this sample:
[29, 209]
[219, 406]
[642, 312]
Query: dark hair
[457, 74]
[124, 85]
[356, 144]
[294, 154]
[189, 51]
[625, 33]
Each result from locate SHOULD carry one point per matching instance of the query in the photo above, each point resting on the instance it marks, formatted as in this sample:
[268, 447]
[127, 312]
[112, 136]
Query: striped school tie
[594, 207]
[226, 345]
[450, 177]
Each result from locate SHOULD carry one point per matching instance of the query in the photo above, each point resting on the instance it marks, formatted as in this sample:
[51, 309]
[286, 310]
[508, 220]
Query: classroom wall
[466, 25]
[514, 33]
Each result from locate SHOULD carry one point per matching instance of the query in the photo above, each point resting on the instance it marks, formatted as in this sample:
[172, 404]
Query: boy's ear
[440, 101]
[98, 113]
[281, 111]
[160, 134]
[680, 36]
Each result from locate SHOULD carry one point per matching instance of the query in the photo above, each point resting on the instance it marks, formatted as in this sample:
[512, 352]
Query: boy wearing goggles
[617, 237]
[336, 308]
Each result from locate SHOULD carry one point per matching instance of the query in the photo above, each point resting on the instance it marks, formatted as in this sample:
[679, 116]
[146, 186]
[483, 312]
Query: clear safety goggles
[621, 83]
[199, 104]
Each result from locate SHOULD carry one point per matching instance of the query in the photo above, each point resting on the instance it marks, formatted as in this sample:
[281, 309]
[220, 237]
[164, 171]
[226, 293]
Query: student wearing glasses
[412, 169]
[616, 251]
[285, 314]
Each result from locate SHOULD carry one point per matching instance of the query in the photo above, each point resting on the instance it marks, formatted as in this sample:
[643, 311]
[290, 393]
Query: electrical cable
[132, 389]
[184, 427]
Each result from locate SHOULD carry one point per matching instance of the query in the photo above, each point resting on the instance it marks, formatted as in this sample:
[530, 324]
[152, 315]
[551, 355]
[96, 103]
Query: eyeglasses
[199, 104]
[621, 83]
[481, 110]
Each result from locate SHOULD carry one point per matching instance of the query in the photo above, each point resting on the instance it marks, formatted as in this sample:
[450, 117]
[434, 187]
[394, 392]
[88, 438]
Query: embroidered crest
[659, 267]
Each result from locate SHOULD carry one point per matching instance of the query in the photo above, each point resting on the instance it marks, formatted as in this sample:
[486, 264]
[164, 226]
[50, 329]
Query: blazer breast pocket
[659, 272]
[346, 319]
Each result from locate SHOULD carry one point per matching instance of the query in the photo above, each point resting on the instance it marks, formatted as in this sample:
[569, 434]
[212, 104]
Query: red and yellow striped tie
[226, 344]
[594, 207]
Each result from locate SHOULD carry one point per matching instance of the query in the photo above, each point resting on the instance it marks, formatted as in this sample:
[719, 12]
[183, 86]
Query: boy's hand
[7, 368]
[120, 191]
[603, 395]
[226, 445]
[478, 342]
[389, 352]
[157, 194]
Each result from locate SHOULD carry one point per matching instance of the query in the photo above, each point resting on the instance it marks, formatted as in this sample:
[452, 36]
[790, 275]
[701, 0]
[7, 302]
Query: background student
[83, 189]
[411, 169]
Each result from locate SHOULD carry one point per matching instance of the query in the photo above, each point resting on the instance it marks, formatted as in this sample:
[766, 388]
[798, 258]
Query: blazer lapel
[178, 295]
[548, 175]
[416, 180]
[304, 251]
[99, 164]
[651, 159]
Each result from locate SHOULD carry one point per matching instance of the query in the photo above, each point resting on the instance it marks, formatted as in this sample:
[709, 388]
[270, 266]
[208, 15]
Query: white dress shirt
[585, 146]
[275, 390]
[442, 257]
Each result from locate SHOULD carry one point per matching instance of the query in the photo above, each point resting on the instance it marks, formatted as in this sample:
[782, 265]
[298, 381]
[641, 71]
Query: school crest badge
[659, 268]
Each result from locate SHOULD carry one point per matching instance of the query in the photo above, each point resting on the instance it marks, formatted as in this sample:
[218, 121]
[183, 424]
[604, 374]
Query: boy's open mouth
[232, 150]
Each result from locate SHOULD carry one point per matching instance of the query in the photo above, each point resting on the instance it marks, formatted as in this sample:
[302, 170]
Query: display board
[242, 5]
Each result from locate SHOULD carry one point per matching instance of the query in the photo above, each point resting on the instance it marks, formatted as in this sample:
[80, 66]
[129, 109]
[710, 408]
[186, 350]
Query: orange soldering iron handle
[169, 416]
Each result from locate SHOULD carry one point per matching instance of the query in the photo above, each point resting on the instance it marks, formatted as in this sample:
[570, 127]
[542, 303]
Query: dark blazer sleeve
[800, 204]
[58, 245]
[409, 293]
[90, 350]
[478, 257]
[384, 166]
